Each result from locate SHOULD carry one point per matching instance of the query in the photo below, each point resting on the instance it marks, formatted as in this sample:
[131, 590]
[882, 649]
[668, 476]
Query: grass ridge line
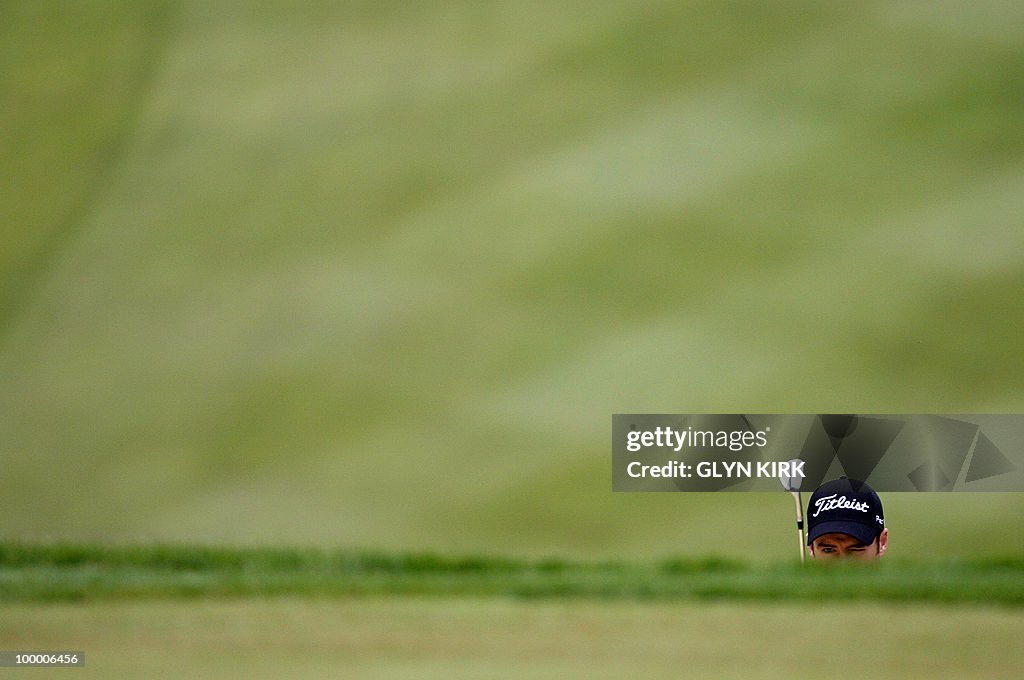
[66, 572]
[156, 25]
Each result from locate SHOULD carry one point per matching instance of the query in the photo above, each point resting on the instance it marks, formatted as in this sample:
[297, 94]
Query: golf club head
[791, 483]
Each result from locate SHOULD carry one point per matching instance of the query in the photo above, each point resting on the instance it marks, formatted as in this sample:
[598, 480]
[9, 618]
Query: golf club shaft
[799, 524]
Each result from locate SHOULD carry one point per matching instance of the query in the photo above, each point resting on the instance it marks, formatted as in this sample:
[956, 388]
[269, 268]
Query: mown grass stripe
[79, 572]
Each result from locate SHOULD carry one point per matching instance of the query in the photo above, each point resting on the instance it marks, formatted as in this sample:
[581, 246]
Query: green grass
[57, 573]
[465, 638]
[376, 274]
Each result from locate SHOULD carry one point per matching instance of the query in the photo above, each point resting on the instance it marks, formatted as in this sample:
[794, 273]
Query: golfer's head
[845, 521]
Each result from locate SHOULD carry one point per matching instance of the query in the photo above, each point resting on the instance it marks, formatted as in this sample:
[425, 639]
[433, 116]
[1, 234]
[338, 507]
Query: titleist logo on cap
[826, 503]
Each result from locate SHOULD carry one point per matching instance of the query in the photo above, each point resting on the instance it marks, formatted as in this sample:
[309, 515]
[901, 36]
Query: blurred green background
[377, 274]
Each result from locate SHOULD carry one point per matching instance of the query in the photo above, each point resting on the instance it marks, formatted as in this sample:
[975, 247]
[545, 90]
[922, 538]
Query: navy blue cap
[845, 506]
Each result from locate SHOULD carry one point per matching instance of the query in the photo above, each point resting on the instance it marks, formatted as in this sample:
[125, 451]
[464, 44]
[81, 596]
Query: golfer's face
[844, 547]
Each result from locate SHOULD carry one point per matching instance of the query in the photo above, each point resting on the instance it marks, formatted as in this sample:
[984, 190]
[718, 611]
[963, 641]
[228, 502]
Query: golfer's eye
[827, 549]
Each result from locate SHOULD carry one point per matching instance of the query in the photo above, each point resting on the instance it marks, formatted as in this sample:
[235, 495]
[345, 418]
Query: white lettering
[792, 469]
[826, 503]
[706, 469]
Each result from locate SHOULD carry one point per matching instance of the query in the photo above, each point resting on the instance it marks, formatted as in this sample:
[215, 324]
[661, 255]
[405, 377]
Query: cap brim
[862, 532]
